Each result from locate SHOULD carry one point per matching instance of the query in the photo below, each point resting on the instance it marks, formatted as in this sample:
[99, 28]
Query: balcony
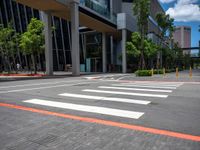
[91, 14]
[99, 9]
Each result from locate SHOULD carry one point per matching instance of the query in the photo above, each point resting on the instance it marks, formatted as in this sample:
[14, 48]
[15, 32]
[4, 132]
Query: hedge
[149, 72]
[159, 71]
[143, 73]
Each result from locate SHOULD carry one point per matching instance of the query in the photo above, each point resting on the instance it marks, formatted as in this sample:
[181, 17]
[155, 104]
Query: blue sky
[185, 12]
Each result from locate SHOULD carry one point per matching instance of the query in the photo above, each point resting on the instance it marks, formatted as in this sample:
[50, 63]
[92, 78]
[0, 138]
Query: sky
[187, 13]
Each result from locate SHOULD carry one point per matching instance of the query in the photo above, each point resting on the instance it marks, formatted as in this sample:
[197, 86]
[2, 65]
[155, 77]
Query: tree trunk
[142, 52]
[14, 64]
[157, 63]
[7, 62]
[33, 56]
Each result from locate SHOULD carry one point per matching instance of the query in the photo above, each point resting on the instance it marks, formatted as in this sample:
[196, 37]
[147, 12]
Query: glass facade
[20, 15]
[102, 7]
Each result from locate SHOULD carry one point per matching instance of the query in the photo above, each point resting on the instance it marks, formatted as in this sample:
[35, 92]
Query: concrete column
[111, 49]
[56, 44]
[63, 42]
[48, 43]
[104, 63]
[75, 52]
[124, 63]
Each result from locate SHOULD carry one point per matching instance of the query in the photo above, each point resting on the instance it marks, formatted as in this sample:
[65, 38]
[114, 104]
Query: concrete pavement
[99, 113]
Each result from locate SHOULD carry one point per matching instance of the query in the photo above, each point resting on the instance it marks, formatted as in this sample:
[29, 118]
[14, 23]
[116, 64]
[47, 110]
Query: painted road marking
[114, 99]
[126, 93]
[87, 108]
[149, 84]
[39, 88]
[106, 122]
[47, 83]
[135, 89]
[144, 86]
[162, 83]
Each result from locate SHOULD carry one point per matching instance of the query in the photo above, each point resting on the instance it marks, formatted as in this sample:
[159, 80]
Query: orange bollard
[177, 73]
[164, 72]
[190, 74]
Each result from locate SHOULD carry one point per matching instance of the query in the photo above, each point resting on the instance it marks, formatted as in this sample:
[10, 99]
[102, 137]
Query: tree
[32, 41]
[179, 55]
[133, 47]
[8, 46]
[167, 28]
[169, 58]
[141, 9]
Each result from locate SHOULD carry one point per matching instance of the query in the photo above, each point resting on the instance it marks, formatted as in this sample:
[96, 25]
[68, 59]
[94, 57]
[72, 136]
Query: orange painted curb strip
[105, 122]
[26, 75]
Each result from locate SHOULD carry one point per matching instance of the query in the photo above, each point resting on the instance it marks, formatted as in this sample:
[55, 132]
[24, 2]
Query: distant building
[182, 36]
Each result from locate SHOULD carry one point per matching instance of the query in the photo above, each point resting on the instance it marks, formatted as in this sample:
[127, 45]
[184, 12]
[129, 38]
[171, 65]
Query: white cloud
[185, 10]
[167, 1]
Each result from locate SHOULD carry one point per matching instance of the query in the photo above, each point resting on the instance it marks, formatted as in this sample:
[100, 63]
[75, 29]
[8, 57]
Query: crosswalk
[138, 93]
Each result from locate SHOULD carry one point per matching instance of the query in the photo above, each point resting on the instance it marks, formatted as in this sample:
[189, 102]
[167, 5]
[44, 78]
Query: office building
[182, 36]
[101, 27]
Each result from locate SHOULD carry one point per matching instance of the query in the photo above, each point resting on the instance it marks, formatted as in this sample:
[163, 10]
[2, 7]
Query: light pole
[199, 42]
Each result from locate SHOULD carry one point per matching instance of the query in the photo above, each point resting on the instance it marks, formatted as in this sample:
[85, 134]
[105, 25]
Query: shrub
[158, 71]
[142, 73]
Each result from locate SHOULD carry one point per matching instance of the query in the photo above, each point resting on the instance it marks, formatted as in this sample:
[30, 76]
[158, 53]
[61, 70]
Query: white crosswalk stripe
[125, 93]
[86, 108]
[145, 86]
[120, 90]
[113, 99]
[134, 89]
[160, 83]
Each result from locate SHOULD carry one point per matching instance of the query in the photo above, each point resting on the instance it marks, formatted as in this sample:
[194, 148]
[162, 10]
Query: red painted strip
[19, 75]
[105, 122]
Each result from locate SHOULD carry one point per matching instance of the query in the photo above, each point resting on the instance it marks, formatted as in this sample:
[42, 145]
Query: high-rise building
[182, 36]
[103, 27]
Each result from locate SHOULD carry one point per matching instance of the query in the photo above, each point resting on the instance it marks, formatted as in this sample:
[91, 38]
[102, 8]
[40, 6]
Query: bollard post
[190, 74]
[164, 72]
[177, 72]
[152, 72]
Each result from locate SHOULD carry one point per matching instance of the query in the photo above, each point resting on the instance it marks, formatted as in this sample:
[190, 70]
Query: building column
[75, 51]
[124, 63]
[104, 63]
[48, 43]
[63, 42]
[56, 44]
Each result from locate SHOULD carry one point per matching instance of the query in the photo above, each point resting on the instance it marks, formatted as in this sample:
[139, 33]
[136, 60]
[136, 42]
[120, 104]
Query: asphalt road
[99, 113]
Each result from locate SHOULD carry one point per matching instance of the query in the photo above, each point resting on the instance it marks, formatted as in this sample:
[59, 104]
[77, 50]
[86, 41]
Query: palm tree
[141, 9]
